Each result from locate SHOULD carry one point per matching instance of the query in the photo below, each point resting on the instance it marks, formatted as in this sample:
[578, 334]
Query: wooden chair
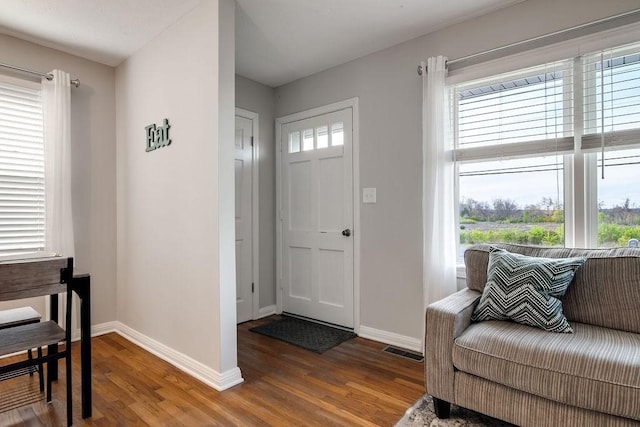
[32, 278]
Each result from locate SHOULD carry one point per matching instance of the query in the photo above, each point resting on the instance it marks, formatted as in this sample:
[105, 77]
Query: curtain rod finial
[419, 70]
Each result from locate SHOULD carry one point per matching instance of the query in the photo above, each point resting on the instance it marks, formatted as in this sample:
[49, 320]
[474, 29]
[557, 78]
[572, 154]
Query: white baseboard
[96, 330]
[391, 338]
[266, 311]
[211, 377]
[104, 328]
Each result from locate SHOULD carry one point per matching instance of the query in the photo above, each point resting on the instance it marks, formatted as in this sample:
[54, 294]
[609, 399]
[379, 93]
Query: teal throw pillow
[526, 289]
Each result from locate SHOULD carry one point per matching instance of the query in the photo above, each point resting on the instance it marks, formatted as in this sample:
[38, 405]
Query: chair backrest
[34, 277]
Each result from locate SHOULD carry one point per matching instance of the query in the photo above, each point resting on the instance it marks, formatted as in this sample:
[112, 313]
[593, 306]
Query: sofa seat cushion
[594, 368]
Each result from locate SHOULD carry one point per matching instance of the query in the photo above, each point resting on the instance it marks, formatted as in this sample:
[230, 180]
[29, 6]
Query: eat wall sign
[157, 136]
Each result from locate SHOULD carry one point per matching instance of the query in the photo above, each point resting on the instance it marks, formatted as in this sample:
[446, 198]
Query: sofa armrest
[445, 321]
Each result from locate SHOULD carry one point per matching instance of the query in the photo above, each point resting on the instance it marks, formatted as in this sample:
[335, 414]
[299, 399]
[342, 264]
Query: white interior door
[243, 213]
[317, 218]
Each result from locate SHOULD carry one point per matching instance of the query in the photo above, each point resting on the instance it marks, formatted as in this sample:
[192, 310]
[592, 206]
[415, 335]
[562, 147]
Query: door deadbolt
[346, 232]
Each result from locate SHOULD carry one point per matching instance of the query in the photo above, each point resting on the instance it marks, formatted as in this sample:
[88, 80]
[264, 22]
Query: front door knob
[346, 232]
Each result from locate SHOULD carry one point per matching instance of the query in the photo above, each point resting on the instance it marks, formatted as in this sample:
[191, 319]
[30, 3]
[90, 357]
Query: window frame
[579, 164]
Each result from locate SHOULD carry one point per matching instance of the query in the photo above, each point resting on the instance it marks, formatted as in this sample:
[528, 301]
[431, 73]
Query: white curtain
[56, 102]
[439, 266]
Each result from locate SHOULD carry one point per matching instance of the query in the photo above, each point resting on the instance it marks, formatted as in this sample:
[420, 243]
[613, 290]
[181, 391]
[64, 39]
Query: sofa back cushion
[605, 290]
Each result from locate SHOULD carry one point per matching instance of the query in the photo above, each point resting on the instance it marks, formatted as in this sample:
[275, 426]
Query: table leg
[52, 366]
[81, 286]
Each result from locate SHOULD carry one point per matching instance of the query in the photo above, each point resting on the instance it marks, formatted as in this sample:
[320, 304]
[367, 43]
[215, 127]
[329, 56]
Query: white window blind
[22, 193]
[514, 115]
[612, 98]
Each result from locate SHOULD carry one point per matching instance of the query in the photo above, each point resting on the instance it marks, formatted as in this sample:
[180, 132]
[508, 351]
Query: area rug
[422, 414]
[305, 334]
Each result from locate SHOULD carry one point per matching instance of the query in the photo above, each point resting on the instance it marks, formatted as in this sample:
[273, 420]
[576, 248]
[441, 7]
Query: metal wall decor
[157, 136]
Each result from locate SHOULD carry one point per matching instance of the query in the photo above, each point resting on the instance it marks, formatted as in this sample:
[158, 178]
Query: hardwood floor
[354, 384]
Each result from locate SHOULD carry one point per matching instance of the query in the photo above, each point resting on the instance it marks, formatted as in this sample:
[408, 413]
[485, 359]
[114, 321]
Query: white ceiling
[277, 41]
[106, 31]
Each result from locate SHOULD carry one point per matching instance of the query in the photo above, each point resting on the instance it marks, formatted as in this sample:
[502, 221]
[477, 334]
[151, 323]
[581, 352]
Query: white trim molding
[103, 328]
[218, 380]
[255, 207]
[391, 338]
[267, 311]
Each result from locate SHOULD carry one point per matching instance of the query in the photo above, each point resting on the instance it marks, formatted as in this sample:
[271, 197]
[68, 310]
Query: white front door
[243, 209]
[317, 218]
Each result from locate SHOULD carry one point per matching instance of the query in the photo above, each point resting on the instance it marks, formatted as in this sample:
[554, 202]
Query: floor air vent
[404, 353]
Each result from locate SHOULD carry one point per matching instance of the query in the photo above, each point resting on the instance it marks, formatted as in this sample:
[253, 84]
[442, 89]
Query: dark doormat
[305, 334]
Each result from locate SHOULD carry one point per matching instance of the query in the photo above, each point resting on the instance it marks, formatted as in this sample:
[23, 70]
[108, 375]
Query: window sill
[27, 256]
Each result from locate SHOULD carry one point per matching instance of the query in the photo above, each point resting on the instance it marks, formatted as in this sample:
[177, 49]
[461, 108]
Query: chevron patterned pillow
[526, 289]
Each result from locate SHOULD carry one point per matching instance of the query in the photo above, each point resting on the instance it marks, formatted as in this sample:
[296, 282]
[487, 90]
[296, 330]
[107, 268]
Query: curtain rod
[75, 82]
[546, 39]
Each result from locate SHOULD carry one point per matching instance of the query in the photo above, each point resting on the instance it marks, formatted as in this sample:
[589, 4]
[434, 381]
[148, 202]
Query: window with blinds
[514, 140]
[611, 93]
[524, 113]
[22, 187]
[611, 98]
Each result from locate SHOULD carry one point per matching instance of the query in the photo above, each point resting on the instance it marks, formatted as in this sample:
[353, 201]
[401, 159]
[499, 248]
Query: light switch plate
[368, 195]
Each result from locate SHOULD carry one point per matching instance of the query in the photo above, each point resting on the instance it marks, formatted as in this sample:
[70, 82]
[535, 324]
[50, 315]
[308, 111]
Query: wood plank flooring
[354, 384]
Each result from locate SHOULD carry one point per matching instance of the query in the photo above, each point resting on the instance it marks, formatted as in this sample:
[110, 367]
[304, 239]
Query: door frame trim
[355, 141]
[255, 207]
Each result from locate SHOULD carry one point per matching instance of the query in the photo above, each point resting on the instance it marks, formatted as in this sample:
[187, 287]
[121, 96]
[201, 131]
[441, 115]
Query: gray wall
[176, 274]
[390, 141]
[258, 98]
[93, 165]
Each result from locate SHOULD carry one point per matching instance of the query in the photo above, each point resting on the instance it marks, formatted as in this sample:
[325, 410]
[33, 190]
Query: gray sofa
[530, 377]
